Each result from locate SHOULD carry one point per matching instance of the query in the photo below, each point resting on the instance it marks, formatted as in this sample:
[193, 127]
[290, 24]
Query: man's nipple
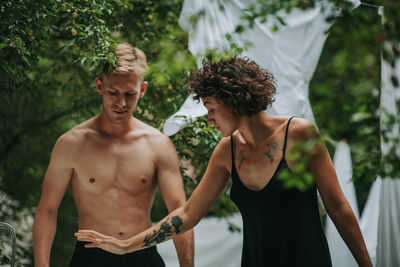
[92, 180]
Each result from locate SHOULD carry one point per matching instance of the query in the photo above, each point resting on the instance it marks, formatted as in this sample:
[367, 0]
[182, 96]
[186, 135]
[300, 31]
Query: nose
[210, 120]
[121, 101]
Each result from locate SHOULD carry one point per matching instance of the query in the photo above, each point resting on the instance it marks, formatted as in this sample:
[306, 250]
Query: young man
[113, 163]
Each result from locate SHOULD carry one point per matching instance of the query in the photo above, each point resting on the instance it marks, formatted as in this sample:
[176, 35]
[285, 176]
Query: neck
[255, 128]
[112, 128]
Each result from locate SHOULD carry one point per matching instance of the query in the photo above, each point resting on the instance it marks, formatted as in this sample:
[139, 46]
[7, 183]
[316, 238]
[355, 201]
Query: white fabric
[388, 246]
[340, 254]
[190, 109]
[215, 245]
[291, 53]
[389, 96]
[380, 222]
[369, 219]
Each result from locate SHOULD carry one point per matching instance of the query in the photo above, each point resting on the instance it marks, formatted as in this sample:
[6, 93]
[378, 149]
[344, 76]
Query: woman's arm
[321, 167]
[180, 220]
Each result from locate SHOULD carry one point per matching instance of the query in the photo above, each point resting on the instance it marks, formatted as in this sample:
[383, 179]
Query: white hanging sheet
[388, 244]
[380, 222]
[369, 219]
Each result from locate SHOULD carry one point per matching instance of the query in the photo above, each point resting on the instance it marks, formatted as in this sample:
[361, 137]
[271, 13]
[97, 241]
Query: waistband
[139, 253]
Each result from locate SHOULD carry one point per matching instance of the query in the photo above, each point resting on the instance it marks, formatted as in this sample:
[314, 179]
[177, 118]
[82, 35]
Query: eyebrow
[206, 103]
[128, 91]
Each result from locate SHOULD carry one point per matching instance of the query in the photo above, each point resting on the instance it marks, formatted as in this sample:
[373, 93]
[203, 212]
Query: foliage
[194, 145]
[344, 92]
[201, 139]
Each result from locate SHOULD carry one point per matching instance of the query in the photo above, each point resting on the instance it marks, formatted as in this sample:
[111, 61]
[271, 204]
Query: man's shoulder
[77, 134]
[150, 133]
[157, 142]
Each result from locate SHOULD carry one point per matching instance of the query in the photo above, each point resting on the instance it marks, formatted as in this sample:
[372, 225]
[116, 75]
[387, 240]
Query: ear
[143, 88]
[99, 86]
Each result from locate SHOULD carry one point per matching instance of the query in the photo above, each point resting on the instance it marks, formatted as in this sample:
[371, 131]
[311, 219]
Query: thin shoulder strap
[286, 132]
[233, 153]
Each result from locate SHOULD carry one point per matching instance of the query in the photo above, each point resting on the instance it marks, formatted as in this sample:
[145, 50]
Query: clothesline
[370, 5]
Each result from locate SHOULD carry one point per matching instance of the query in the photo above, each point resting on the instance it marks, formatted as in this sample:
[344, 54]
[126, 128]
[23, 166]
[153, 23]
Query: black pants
[95, 257]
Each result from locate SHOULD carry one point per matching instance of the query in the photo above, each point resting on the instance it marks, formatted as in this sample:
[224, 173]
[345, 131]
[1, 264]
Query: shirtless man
[113, 163]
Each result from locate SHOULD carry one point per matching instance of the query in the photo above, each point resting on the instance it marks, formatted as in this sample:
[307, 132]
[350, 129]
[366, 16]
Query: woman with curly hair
[281, 226]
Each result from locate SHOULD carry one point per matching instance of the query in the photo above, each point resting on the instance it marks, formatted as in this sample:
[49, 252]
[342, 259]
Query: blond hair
[130, 60]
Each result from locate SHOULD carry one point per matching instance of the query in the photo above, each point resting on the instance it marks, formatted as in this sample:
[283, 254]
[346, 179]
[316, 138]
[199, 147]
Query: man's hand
[97, 240]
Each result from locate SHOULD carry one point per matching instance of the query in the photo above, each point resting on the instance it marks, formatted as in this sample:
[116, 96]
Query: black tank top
[281, 227]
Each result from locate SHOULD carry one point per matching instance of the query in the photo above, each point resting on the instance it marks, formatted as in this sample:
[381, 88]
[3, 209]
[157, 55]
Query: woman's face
[220, 116]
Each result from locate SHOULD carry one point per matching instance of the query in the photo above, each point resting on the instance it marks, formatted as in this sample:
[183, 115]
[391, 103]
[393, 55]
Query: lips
[120, 112]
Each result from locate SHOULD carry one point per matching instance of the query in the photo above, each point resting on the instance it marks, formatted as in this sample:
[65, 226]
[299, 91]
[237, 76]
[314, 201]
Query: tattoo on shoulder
[241, 158]
[168, 228]
[271, 150]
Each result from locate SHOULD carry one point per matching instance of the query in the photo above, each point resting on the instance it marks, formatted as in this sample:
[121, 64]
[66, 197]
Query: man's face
[120, 95]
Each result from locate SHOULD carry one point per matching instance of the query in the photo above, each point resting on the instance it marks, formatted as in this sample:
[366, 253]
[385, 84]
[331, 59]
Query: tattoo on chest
[271, 150]
[241, 158]
[168, 228]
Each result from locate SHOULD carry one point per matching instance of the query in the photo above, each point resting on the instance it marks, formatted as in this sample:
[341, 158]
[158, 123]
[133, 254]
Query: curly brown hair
[239, 83]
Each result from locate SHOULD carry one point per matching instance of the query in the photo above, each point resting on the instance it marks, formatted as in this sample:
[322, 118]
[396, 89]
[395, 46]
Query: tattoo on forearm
[241, 158]
[168, 228]
[271, 150]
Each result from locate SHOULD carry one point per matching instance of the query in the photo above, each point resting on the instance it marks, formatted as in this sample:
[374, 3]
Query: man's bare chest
[103, 165]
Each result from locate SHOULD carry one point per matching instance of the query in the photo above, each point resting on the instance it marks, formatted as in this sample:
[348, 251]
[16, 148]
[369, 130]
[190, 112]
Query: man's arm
[55, 183]
[172, 189]
[323, 172]
[179, 221]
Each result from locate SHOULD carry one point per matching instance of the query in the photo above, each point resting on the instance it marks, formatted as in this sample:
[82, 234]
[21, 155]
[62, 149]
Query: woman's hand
[97, 240]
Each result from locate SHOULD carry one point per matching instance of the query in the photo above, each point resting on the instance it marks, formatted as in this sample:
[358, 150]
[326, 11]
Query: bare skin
[258, 148]
[113, 163]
